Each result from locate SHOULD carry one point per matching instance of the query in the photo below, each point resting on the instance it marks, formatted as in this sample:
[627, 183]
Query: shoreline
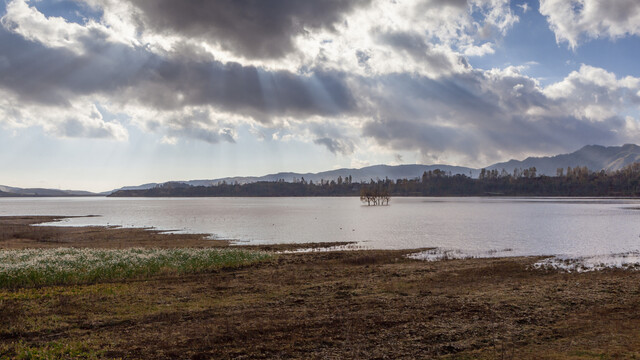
[324, 304]
[17, 232]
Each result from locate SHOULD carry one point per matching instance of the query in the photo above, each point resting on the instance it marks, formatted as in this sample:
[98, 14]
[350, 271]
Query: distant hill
[594, 157]
[135, 187]
[438, 183]
[358, 175]
[8, 191]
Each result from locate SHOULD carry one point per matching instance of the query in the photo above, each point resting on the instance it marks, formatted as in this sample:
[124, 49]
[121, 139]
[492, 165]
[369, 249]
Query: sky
[99, 94]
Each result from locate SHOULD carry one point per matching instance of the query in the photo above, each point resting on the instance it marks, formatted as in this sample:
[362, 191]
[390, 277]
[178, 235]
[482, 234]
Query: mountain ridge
[594, 157]
[6, 191]
[358, 175]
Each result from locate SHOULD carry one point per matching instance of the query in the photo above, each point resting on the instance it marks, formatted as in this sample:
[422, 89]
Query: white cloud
[482, 50]
[81, 119]
[55, 32]
[401, 39]
[572, 21]
[632, 128]
[524, 7]
[594, 93]
[33, 25]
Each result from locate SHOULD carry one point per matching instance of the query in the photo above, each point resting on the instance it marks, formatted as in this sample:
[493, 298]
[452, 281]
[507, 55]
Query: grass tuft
[61, 266]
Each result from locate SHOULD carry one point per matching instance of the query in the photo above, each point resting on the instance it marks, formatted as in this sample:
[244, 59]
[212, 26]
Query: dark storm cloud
[244, 89]
[52, 76]
[251, 28]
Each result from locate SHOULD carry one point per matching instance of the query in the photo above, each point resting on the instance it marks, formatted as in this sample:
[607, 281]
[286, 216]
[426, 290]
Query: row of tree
[577, 181]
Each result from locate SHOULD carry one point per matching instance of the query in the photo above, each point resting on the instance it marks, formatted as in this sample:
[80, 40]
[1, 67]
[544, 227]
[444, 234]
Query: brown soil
[16, 232]
[336, 305]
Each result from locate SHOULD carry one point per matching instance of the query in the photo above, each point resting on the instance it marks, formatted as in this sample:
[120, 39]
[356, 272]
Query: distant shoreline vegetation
[578, 181]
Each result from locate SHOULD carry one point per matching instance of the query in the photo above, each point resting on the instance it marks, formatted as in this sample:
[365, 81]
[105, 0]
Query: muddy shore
[336, 305]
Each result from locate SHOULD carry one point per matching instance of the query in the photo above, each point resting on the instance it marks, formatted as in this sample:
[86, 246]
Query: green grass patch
[48, 351]
[62, 266]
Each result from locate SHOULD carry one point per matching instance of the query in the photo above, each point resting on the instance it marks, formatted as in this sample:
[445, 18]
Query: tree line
[578, 181]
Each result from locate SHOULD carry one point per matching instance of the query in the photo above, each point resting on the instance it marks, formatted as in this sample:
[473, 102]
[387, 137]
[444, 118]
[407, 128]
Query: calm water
[528, 226]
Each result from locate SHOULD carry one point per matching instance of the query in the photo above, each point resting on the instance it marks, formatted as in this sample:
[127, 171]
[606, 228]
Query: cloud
[336, 146]
[481, 115]
[337, 136]
[594, 93]
[33, 25]
[55, 32]
[482, 50]
[199, 123]
[573, 21]
[524, 7]
[37, 72]
[318, 72]
[246, 90]
[133, 74]
[415, 46]
[249, 28]
[81, 119]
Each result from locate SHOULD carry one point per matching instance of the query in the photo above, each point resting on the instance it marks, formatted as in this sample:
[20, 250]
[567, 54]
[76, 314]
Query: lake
[508, 226]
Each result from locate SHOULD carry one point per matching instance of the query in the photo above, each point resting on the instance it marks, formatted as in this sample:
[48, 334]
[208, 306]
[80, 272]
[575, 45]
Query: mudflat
[349, 304]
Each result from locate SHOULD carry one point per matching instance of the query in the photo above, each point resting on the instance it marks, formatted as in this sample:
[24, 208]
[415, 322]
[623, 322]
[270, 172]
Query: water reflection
[527, 226]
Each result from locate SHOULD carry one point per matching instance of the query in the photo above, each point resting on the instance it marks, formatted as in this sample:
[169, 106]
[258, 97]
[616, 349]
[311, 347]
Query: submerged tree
[374, 195]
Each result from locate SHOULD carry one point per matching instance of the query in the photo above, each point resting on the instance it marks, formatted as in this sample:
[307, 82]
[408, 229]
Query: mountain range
[594, 157]
[14, 191]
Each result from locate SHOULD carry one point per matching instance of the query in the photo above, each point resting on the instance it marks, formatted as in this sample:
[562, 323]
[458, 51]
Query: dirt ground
[320, 305]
